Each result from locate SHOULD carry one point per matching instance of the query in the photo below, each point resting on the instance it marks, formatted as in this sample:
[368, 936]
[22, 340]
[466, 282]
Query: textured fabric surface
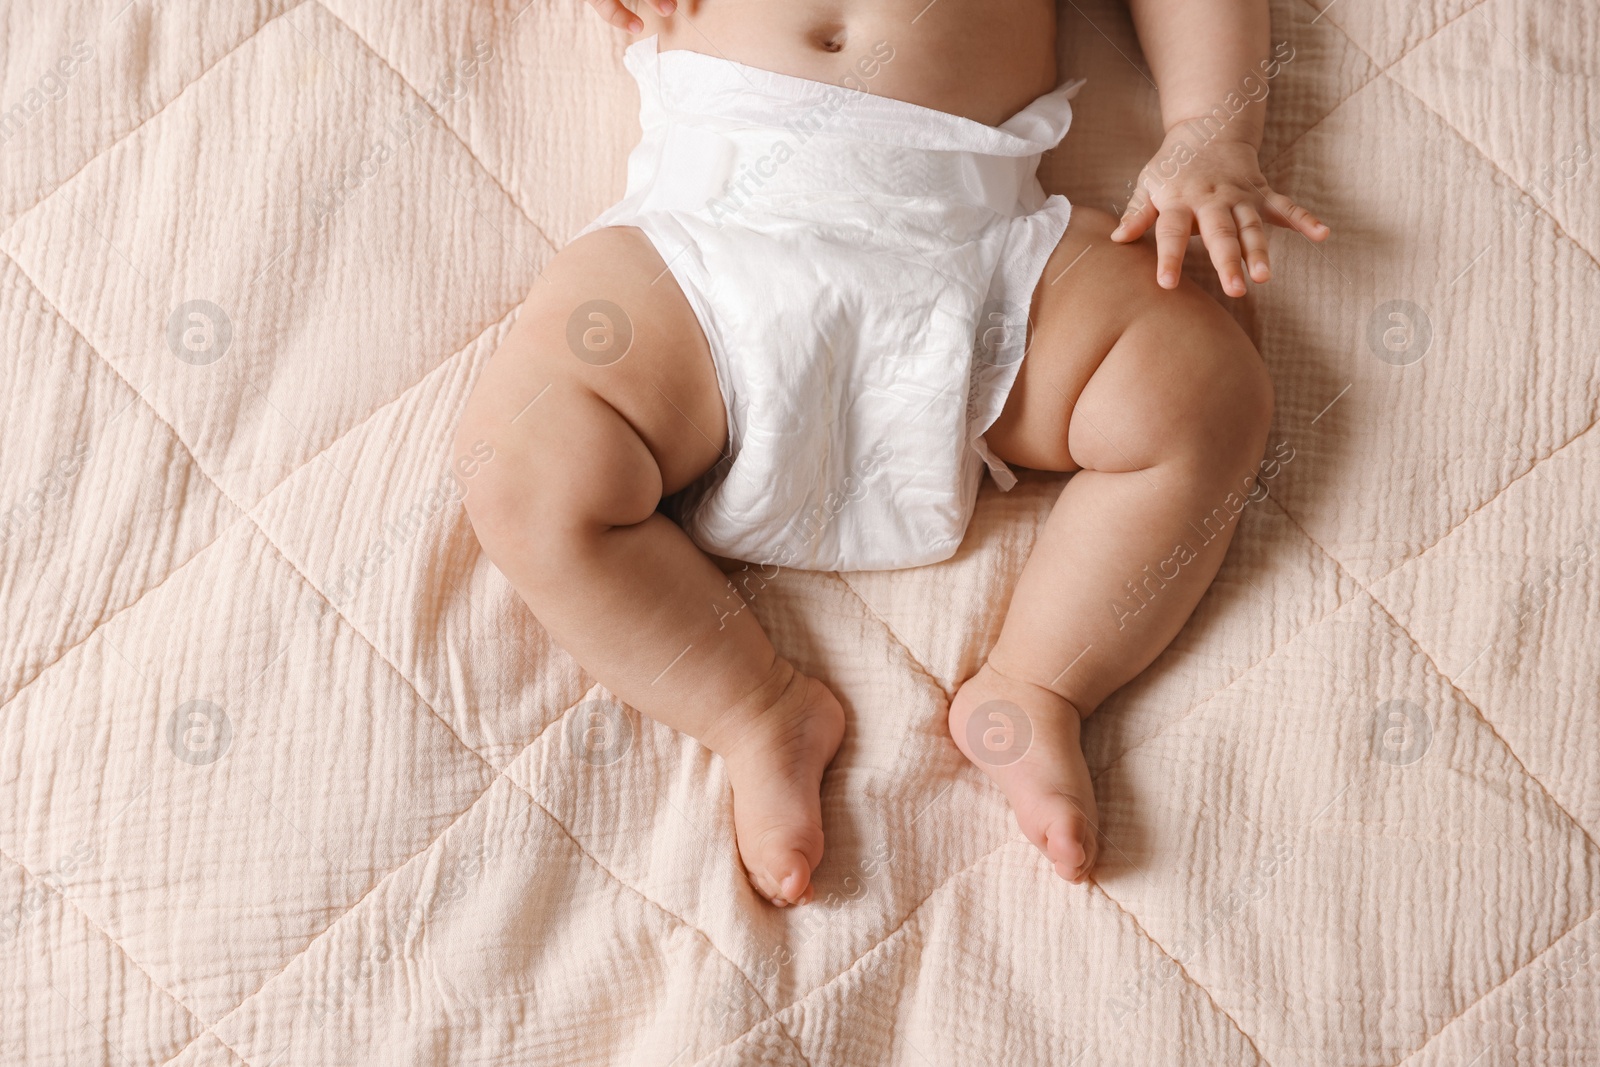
[289, 776]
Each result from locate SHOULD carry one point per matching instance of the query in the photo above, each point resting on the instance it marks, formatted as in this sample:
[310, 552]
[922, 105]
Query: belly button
[830, 39]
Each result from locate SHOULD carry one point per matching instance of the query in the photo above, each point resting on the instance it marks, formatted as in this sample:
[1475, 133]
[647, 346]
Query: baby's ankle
[746, 720]
[1009, 676]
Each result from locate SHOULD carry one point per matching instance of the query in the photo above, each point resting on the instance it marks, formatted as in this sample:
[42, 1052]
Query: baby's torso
[981, 59]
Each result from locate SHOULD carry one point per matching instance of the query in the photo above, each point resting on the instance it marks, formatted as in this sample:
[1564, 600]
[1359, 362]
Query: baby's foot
[775, 759]
[1026, 738]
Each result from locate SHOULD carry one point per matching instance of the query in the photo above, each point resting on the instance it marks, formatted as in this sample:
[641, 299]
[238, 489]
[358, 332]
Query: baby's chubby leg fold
[1161, 404]
[601, 400]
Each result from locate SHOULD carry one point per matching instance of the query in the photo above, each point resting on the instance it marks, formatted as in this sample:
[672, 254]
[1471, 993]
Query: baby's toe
[790, 872]
[781, 873]
[1069, 843]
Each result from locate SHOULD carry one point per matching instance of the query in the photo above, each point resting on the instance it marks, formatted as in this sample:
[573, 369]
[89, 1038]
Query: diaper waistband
[719, 133]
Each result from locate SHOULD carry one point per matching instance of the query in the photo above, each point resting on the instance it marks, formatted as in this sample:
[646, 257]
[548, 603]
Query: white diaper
[862, 268]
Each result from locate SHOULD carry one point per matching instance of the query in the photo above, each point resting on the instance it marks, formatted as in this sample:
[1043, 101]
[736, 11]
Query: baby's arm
[1212, 65]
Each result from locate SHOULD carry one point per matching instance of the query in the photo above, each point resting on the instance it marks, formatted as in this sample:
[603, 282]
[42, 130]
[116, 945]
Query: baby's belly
[982, 59]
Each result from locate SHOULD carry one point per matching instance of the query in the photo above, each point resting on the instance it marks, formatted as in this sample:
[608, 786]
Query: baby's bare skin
[981, 59]
[1133, 378]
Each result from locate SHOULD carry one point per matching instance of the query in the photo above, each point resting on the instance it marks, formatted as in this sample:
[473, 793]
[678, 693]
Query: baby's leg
[585, 446]
[1161, 403]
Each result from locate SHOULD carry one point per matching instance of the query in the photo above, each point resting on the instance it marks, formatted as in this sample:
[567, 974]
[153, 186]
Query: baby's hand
[623, 19]
[1220, 190]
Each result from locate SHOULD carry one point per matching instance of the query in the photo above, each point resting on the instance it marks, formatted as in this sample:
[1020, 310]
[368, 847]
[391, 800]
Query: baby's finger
[620, 17]
[1221, 236]
[1173, 228]
[664, 7]
[1253, 236]
[1136, 218]
[1290, 215]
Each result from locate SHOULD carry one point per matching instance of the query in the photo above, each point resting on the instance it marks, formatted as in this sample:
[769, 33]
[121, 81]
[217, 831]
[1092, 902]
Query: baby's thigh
[606, 346]
[1107, 343]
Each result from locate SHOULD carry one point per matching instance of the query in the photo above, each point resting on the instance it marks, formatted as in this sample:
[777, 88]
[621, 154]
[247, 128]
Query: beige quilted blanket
[288, 776]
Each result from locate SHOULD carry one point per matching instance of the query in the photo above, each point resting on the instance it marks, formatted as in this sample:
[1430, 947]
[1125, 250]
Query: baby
[832, 297]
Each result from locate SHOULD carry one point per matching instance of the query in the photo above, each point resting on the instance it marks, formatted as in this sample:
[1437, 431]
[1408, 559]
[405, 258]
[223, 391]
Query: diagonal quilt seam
[50, 305]
[372, 645]
[224, 1044]
[1561, 231]
[1463, 13]
[500, 771]
[373, 888]
[1491, 990]
[894, 636]
[788, 1035]
[383, 405]
[113, 942]
[401, 675]
[856, 963]
[1451, 682]
[172, 430]
[1378, 71]
[625, 884]
[1245, 672]
[1184, 971]
[1384, 72]
[248, 517]
[1432, 662]
[1403, 564]
[499, 774]
[1286, 149]
[142, 123]
[90, 635]
[443, 122]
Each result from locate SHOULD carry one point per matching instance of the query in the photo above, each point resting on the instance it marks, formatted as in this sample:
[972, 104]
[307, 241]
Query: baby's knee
[1226, 395]
[558, 482]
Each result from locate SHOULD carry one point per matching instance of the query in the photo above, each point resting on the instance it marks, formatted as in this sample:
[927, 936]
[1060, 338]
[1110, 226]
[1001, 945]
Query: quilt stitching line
[346, 913]
[244, 514]
[1378, 71]
[888, 942]
[625, 884]
[473, 155]
[1384, 72]
[285, 557]
[494, 767]
[1448, 680]
[401, 675]
[1339, 605]
[881, 943]
[1495, 988]
[1561, 230]
[388, 875]
[1543, 788]
[1191, 979]
[94, 630]
[1442, 538]
[98, 929]
[142, 123]
[894, 636]
[794, 1041]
